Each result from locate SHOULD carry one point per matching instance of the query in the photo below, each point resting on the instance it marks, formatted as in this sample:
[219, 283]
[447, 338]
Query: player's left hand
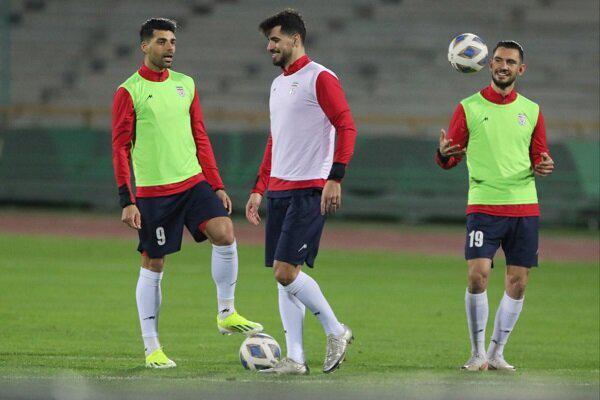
[544, 167]
[331, 199]
[222, 195]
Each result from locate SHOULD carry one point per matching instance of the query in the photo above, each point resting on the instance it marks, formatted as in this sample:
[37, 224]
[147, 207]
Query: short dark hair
[290, 20]
[510, 44]
[161, 24]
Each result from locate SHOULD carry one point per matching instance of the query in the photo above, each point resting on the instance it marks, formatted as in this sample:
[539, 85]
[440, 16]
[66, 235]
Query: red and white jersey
[303, 137]
[312, 131]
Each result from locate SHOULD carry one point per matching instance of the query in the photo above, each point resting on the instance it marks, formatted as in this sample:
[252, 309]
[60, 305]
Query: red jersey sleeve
[204, 150]
[332, 99]
[459, 134]
[264, 172]
[123, 133]
[538, 141]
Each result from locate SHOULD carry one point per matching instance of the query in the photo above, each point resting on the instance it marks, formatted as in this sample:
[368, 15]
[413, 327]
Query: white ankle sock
[506, 318]
[150, 344]
[292, 317]
[224, 268]
[477, 309]
[309, 293]
[148, 297]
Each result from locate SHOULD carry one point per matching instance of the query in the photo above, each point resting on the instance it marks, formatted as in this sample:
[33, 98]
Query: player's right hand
[446, 148]
[252, 208]
[545, 167]
[131, 216]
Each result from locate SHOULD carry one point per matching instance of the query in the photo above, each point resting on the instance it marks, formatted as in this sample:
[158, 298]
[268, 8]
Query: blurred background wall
[64, 59]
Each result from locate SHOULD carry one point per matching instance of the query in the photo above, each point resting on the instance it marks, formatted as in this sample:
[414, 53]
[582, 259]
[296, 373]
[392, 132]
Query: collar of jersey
[297, 65]
[490, 95]
[153, 76]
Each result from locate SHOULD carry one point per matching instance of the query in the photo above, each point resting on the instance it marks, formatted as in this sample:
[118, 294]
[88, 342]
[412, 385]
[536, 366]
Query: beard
[160, 62]
[505, 84]
[283, 59]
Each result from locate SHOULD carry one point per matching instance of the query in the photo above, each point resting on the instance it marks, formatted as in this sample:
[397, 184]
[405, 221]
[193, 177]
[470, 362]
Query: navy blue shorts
[294, 227]
[518, 237]
[163, 218]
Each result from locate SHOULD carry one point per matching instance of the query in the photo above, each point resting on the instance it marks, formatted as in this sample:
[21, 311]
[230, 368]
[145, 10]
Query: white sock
[292, 317]
[224, 270]
[477, 309]
[506, 318]
[309, 293]
[148, 297]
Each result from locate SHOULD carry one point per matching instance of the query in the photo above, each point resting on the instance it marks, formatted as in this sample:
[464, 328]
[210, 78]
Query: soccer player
[158, 125]
[502, 133]
[302, 172]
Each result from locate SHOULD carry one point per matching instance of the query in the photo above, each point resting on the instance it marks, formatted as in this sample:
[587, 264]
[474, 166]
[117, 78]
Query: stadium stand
[67, 58]
[390, 56]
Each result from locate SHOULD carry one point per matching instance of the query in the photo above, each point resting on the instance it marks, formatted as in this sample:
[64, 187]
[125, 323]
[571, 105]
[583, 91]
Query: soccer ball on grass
[259, 351]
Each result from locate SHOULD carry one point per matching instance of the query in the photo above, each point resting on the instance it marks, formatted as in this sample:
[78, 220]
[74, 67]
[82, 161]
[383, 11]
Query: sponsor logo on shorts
[304, 247]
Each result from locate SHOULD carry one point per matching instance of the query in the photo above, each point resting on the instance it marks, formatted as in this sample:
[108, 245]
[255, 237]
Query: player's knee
[223, 234]
[224, 239]
[284, 275]
[154, 264]
[516, 287]
[477, 282]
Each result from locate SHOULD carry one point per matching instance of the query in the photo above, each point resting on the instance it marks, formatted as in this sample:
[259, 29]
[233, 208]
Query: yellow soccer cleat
[158, 359]
[235, 323]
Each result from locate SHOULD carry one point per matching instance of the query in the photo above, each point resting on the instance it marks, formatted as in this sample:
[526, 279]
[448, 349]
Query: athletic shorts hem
[517, 263]
[305, 262]
[161, 255]
[474, 256]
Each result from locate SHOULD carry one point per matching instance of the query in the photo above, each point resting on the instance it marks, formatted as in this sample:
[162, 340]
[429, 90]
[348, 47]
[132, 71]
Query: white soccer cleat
[287, 366]
[477, 362]
[498, 363]
[337, 346]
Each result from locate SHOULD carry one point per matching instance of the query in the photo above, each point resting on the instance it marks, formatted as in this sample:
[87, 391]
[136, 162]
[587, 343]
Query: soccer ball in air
[467, 53]
[259, 351]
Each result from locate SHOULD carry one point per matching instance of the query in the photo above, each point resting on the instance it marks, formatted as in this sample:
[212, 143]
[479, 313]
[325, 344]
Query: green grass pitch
[67, 313]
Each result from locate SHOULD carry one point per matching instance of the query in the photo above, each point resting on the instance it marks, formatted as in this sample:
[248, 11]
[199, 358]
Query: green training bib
[498, 150]
[164, 150]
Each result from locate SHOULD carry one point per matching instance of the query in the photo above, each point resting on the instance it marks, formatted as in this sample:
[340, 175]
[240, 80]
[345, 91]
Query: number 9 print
[161, 239]
[476, 239]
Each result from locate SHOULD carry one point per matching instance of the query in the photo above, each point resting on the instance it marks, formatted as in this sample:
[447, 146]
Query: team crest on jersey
[522, 119]
[180, 91]
[293, 88]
